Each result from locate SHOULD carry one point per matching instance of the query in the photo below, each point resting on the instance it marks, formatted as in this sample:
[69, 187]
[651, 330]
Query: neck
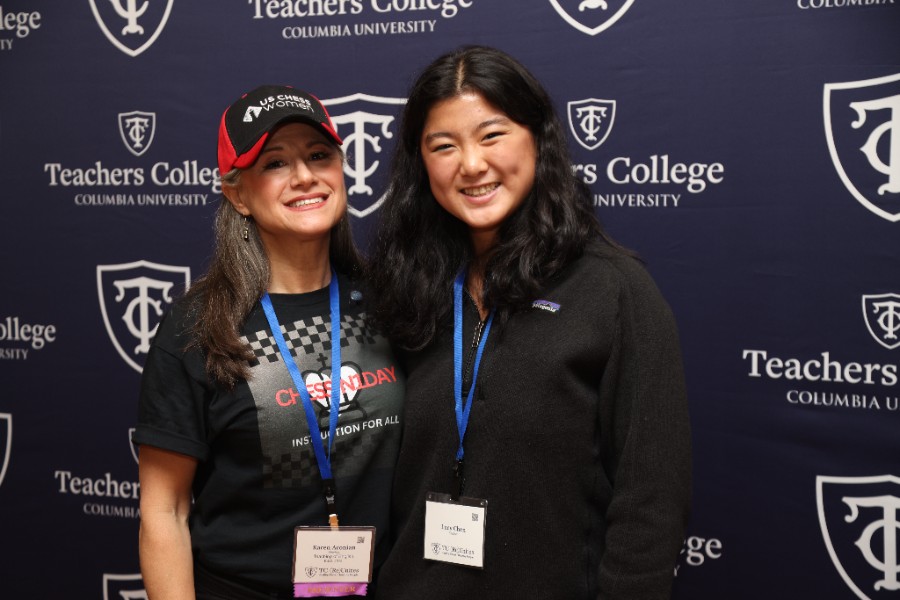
[299, 269]
[482, 242]
[475, 285]
[482, 246]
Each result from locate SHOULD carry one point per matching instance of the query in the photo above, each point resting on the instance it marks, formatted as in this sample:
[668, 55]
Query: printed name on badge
[454, 530]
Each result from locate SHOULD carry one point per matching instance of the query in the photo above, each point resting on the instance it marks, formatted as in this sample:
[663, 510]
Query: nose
[472, 161]
[302, 175]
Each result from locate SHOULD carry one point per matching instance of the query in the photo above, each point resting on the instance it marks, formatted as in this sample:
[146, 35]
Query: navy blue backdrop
[749, 151]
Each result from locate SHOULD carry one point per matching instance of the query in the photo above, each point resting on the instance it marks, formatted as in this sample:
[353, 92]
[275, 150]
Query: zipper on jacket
[469, 361]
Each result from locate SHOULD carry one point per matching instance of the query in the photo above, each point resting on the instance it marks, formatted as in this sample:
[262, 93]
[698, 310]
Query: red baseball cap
[247, 123]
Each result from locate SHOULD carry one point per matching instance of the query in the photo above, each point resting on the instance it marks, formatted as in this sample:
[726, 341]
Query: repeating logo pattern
[862, 128]
[137, 129]
[123, 587]
[366, 124]
[882, 315]
[132, 445]
[5, 443]
[860, 518]
[131, 25]
[136, 294]
[591, 16]
[591, 121]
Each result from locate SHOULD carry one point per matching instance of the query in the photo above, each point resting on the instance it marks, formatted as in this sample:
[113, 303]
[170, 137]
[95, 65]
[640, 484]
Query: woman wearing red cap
[244, 432]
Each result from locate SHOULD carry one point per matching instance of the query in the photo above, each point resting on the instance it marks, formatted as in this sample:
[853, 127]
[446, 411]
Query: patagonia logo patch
[545, 305]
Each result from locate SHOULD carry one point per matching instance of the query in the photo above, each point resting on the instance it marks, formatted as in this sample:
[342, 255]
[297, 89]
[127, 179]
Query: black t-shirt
[257, 476]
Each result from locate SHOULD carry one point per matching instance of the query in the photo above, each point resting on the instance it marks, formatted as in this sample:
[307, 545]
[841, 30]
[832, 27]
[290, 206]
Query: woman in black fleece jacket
[495, 276]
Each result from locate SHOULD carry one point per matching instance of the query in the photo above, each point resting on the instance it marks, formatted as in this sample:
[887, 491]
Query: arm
[165, 541]
[647, 455]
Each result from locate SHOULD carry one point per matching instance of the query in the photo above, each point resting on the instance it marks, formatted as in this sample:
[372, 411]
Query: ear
[233, 194]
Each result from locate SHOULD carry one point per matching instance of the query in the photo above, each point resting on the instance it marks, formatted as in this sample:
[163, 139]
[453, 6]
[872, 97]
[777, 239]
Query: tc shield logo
[133, 298]
[137, 130]
[367, 125]
[860, 519]
[862, 127]
[5, 443]
[591, 121]
[131, 25]
[882, 315]
[591, 16]
[132, 445]
[123, 587]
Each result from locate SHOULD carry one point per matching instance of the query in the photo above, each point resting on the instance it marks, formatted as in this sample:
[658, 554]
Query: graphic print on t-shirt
[318, 384]
[288, 458]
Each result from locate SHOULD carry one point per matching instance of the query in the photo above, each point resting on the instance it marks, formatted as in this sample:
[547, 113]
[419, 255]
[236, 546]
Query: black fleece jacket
[578, 438]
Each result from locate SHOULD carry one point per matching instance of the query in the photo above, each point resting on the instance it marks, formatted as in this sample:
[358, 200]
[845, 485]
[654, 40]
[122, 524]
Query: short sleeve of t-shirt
[173, 392]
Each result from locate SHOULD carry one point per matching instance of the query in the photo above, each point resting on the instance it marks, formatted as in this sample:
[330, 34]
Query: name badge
[454, 529]
[333, 561]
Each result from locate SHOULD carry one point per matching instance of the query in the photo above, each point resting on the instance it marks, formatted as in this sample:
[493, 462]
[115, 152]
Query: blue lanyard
[463, 408]
[322, 460]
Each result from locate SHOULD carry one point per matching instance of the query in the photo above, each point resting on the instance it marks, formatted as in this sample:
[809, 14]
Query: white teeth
[300, 203]
[481, 190]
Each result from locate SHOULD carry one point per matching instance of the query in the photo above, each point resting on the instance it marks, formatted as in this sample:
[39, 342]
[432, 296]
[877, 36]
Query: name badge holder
[332, 560]
[454, 529]
[455, 524]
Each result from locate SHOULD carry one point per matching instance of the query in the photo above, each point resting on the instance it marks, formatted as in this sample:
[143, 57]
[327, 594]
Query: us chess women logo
[591, 16]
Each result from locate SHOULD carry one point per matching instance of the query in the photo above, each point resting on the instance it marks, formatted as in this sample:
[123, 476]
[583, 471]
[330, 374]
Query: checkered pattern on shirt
[310, 337]
[298, 469]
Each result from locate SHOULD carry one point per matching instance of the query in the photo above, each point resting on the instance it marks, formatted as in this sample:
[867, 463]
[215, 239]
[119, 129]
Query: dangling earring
[246, 232]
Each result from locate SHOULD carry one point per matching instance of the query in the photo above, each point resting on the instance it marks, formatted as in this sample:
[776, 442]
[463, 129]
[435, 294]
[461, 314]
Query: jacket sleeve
[646, 446]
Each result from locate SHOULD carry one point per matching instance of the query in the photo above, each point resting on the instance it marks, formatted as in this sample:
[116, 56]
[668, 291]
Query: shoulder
[173, 357]
[177, 324]
[616, 281]
[603, 264]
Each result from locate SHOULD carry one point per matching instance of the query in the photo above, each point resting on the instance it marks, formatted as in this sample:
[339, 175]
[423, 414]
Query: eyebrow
[279, 146]
[483, 125]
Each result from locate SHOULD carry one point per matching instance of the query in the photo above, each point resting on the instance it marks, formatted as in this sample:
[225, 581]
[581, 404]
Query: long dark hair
[419, 247]
[237, 278]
